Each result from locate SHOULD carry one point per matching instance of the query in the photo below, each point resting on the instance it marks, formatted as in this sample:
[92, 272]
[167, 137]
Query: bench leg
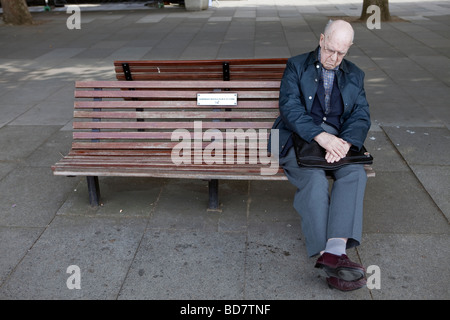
[93, 190]
[213, 204]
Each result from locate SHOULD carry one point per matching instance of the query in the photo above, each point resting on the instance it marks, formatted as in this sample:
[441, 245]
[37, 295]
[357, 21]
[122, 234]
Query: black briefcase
[313, 155]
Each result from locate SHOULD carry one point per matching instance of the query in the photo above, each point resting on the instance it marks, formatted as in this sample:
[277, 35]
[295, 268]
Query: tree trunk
[16, 12]
[382, 4]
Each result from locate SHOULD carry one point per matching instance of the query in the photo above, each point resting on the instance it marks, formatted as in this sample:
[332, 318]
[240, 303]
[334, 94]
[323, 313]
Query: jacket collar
[313, 58]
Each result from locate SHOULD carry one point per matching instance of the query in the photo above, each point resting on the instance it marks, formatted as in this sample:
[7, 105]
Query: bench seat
[152, 165]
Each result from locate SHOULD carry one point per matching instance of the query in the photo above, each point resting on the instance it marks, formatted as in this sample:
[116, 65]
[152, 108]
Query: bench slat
[134, 145]
[152, 153]
[182, 104]
[175, 115]
[169, 76]
[122, 172]
[196, 76]
[144, 94]
[146, 135]
[163, 85]
[236, 168]
[203, 70]
[124, 145]
[172, 125]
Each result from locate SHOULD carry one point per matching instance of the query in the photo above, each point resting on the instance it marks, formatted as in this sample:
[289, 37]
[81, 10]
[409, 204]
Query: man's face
[333, 51]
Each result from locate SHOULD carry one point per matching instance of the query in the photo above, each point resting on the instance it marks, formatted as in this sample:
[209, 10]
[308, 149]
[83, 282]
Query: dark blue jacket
[298, 90]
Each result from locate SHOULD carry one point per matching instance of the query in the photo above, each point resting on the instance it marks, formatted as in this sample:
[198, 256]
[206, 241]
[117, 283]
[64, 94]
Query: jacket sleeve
[291, 103]
[357, 122]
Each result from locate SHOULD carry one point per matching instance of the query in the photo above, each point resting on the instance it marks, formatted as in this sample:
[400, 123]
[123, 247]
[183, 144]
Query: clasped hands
[335, 147]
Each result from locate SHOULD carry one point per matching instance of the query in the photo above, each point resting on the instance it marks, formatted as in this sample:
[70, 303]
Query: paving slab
[396, 202]
[411, 266]
[187, 265]
[426, 150]
[15, 245]
[11, 112]
[120, 197]
[50, 151]
[18, 142]
[434, 100]
[45, 113]
[30, 197]
[436, 179]
[183, 205]
[130, 52]
[405, 72]
[30, 92]
[102, 248]
[386, 157]
[6, 167]
[421, 145]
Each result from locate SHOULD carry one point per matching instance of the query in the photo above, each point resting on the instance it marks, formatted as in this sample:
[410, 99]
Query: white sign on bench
[216, 99]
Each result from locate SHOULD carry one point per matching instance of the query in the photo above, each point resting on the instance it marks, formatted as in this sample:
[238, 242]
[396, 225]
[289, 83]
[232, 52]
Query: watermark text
[234, 146]
[74, 21]
[374, 21]
[74, 280]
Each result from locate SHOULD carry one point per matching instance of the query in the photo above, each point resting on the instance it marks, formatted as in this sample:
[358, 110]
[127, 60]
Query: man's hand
[336, 148]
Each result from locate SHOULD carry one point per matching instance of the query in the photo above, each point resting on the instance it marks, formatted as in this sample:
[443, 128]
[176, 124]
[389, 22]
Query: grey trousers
[325, 213]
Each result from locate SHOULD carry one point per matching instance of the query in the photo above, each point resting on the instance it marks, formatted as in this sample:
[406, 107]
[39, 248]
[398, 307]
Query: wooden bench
[231, 69]
[173, 129]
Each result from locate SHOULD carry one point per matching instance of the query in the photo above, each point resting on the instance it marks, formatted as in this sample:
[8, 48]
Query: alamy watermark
[374, 21]
[234, 146]
[74, 280]
[374, 280]
[74, 21]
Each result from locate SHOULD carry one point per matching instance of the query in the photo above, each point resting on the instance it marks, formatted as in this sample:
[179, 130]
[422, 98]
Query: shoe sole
[343, 273]
[346, 290]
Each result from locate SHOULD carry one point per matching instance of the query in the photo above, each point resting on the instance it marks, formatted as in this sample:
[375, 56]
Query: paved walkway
[152, 238]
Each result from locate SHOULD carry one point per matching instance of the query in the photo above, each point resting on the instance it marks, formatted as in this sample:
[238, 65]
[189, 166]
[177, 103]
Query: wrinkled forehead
[339, 41]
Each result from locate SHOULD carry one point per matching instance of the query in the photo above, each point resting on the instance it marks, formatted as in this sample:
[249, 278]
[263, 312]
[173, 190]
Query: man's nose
[332, 59]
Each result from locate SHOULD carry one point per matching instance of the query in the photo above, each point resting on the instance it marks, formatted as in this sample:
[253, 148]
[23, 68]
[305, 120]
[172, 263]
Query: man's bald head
[335, 41]
[339, 30]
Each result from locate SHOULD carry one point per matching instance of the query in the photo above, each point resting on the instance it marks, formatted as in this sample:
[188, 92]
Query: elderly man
[322, 98]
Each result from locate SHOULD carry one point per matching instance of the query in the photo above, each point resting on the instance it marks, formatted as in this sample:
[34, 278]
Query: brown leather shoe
[340, 267]
[346, 285]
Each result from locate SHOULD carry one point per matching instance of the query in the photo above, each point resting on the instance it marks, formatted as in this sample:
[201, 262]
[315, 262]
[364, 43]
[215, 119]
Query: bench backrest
[142, 117]
[231, 69]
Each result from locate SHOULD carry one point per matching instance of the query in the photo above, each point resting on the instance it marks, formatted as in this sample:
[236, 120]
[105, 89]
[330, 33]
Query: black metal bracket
[128, 77]
[226, 71]
[127, 71]
[96, 119]
[226, 77]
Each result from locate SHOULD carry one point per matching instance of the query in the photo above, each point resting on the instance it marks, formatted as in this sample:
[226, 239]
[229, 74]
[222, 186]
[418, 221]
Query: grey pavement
[153, 238]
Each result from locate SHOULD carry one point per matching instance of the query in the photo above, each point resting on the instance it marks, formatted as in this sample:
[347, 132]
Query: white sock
[336, 246]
